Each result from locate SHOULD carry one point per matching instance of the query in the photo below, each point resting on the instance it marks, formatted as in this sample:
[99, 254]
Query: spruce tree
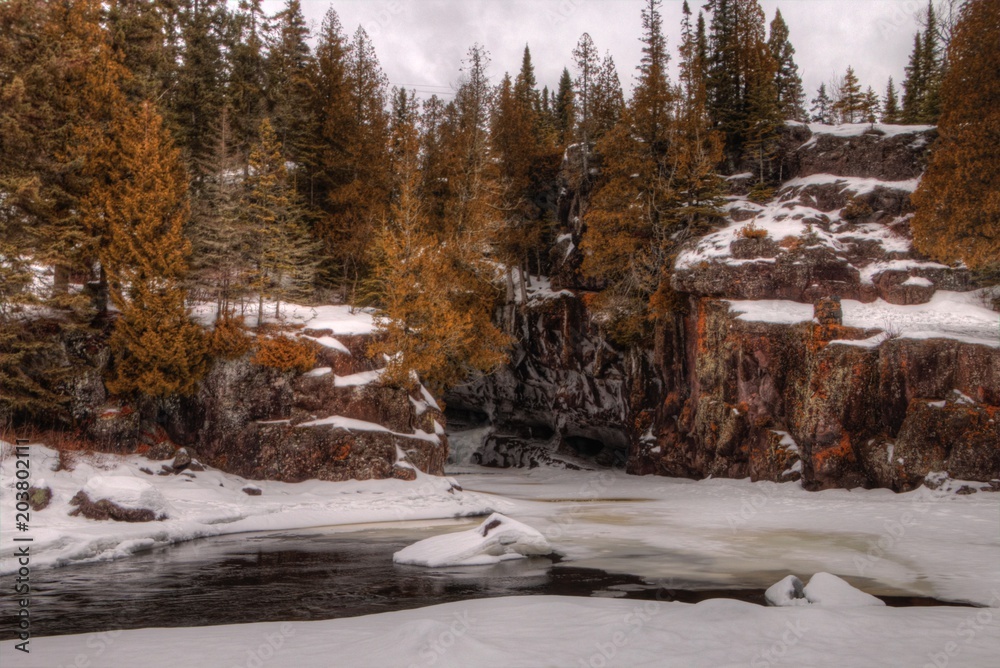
[787, 82]
[198, 94]
[246, 83]
[890, 104]
[587, 66]
[288, 66]
[279, 251]
[931, 68]
[158, 350]
[564, 108]
[822, 107]
[434, 307]
[958, 211]
[872, 106]
[850, 103]
[915, 84]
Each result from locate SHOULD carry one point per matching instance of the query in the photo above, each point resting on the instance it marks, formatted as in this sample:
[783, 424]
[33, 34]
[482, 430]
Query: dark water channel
[302, 575]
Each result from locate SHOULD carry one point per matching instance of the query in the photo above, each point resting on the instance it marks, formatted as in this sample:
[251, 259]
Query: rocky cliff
[817, 344]
[334, 422]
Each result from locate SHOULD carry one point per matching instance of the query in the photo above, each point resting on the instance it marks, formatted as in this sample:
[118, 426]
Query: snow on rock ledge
[824, 589]
[497, 539]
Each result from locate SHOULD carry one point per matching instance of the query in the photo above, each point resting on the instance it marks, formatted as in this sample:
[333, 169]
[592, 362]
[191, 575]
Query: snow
[340, 319]
[560, 631]
[498, 538]
[329, 342]
[777, 311]
[206, 503]
[824, 589]
[919, 281]
[356, 379]
[951, 315]
[127, 492]
[854, 184]
[858, 129]
[352, 424]
[869, 272]
[719, 533]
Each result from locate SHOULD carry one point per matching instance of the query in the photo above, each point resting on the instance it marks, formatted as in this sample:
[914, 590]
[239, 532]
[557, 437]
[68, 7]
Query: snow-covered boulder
[497, 539]
[120, 498]
[824, 589]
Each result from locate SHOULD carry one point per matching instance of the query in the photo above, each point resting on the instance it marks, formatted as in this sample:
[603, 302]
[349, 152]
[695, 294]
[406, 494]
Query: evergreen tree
[278, 249]
[564, 107]
[931, 67]
[288, 66]
[198, 94]
[872, 106]
[158, 350]
[787, 82]
[958, 210]
[587, 66]
[822, 107]
[218, 263]
[246, 85]
[890, 104]
[915, 84]
[608, 100]
[850, 102]
[434, 321]
[360, 193]
[138, 31]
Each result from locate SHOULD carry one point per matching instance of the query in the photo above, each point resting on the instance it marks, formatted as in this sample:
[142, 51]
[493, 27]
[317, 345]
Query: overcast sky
[421, 43]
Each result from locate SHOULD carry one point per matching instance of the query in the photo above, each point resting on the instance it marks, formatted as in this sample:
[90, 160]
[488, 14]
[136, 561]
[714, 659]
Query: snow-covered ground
[676, 534]
[198, 504]
[952, 315]
[536, 631]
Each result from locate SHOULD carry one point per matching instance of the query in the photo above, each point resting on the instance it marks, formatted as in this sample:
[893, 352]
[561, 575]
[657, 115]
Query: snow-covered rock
[121, 498]
[497, 539]
[824, 589]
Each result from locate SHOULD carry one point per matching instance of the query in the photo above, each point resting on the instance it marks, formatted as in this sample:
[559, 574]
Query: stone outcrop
[716, 394]
[251, 420]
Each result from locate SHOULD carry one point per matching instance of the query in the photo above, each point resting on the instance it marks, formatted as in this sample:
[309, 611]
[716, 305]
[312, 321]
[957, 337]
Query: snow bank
[824, 589]
[353, 424]
[550, 631]
[497, 539]
[199, 504]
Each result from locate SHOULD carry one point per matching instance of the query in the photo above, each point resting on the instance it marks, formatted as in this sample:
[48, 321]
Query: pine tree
[434, 321]
[915, 84]
[158, 350]
[278, 249]
[787, 82]
[288, 66]
[632, 222]
[587, 66]
[246, 84]
[958, 210]
[890, 104]
[218, 262]
[198, 93]
[608, 100]
[850, 101]
[359, 194]
[138, 33]
[872, 106]
[822, 107]
[931, 69]
[564, 107]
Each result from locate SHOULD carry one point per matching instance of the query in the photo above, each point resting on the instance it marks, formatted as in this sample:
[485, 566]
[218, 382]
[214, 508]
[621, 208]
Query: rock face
[807, 398]
[251, 421]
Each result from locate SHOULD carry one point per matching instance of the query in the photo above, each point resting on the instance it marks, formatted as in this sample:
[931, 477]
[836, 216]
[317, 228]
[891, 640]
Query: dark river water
[302, 575]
